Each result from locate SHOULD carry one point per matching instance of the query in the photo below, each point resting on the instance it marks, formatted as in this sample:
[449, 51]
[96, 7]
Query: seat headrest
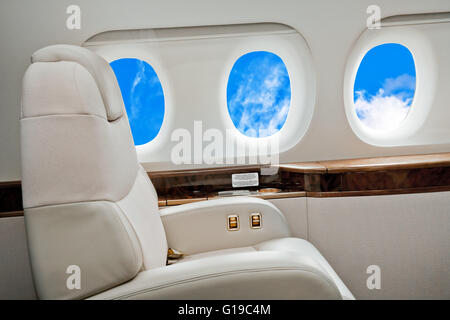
[97, 67]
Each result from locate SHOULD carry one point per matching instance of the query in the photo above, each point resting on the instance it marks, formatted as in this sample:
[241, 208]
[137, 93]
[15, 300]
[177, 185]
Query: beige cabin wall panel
[16, 281]
[407, 236]
[295, 212]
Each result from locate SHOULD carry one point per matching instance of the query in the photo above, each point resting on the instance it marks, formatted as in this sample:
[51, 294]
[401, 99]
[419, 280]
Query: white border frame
[426, 78]
[298, 60]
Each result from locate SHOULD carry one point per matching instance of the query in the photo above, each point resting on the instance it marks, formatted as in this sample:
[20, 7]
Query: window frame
[299, 64]
[424, 62]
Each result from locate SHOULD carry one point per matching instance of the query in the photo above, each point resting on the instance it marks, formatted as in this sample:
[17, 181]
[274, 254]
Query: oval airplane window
[259, 94]
[143, 97]
[384, 86]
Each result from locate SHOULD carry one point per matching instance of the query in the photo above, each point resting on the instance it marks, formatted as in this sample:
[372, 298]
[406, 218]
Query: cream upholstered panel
[202, 226]
[95, 236]
[96, 66]
[72, 158]
[287, 268]
[236, 274]
[141, 207]
[60, 88]
[72, 152]
[86, 201]
[302, 247]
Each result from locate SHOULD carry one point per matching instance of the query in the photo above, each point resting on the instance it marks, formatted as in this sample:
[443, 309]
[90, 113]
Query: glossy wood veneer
[334, 178]
[387, 163]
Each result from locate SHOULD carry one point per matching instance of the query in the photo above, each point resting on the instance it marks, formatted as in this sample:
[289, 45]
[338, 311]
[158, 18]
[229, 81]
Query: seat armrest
[202, 226]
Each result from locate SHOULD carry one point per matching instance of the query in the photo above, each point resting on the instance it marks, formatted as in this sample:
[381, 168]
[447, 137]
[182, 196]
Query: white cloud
[279, 117]
[390, 106]
[261, 112]
[136, 98]
[381, 112]
[272, 81]
[149, 79]
[402, 82]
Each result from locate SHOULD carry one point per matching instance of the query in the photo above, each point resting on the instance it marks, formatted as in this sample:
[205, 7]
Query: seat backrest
[91, 212]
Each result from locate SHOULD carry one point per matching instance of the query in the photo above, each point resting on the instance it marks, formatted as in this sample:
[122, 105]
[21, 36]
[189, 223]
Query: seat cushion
[295, 246]
[302, 247]
[285, 268]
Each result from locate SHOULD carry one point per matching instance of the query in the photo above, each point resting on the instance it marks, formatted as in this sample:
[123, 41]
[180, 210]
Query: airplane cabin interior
[225, 150]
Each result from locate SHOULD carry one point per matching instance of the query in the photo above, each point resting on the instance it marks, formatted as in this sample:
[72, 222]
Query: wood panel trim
[333, 178]
[417, 161]
[176, 202]
[202, 171]
[8, 184]
[303, 167]
[10, 214]
[388, 163]
[365, 193]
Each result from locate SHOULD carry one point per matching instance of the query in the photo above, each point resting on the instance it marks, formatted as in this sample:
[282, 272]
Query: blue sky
[384, 86]
[143, 97]
[259, 94]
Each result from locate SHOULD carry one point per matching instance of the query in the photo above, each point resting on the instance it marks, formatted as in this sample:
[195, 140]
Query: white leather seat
[286, 268]
[89, 203]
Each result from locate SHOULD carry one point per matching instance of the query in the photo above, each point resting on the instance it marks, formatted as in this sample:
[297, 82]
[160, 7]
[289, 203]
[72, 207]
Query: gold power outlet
[233, 222]
[255, 220]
